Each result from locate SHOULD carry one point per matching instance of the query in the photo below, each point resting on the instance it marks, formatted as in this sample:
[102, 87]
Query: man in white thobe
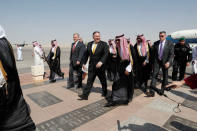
[38, 57]
[38, 54]
[19, 53]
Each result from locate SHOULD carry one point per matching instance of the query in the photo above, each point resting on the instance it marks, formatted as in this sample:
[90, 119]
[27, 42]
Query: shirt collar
[76, 42]
[163, 42]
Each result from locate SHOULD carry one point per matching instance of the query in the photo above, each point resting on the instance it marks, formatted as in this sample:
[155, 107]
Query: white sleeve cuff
[147, 61]
[129, 68]
[2, 79]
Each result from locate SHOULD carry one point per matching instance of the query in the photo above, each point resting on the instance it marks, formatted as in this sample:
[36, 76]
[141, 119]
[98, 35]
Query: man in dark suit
[97, 50]
[163, 53]
[76, 60]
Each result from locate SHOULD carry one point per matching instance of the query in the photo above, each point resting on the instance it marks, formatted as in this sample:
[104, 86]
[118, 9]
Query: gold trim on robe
[147, 50]
[4, 75]
[130, 55]
[54, 53]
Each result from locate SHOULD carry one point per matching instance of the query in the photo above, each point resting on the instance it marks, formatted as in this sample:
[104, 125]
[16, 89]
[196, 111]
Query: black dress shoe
[62, 75]
[108, 98]
[52, 81]
[70, 86]
[109, 104]
[170, 87]
[161, 92]
[82, 97]
[125, 102]
[104, 94]
[79, 87]
[152, 94]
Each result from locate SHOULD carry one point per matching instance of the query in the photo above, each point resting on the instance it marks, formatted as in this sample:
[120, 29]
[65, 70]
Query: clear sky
[43, 20]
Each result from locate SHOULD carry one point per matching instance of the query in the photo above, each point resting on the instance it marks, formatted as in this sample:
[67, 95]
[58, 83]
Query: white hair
[76, 34]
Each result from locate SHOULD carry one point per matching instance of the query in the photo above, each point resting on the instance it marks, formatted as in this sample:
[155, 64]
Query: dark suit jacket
[77, 54]
[168, 52]
[101, 54]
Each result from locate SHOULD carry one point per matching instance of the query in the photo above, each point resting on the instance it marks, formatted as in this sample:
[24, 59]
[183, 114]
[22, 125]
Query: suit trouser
[91, 77]
[178, 67]
[156, 69]
[78, 69]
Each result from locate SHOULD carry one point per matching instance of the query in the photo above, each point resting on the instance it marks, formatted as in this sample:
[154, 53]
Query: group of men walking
[127, 66]
[118, 61]
[53, 59]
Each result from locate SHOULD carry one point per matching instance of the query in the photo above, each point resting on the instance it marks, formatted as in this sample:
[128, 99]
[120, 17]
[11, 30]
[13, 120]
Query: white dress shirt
[76, 43]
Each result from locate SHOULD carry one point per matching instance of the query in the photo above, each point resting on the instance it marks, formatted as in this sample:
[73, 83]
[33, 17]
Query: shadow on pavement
[184, 95]
[145, 127]
[194, 92]
[181, 127]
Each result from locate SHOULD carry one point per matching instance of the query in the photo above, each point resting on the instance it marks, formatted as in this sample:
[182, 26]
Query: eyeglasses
[161, 36]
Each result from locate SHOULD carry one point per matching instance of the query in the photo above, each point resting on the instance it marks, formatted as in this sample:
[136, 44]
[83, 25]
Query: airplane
[189, 35]
[22, 45]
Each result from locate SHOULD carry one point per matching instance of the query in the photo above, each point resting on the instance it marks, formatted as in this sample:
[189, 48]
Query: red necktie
[74, 47]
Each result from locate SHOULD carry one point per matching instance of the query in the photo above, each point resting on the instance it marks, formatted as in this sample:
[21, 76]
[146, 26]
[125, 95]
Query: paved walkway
[55, 108]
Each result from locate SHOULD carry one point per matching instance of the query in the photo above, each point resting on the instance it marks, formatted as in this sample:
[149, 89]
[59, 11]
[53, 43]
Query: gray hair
[76, 34]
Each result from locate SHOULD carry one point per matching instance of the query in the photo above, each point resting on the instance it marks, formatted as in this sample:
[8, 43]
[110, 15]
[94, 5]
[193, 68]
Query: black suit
[168, 54]
[101, 54]
[76, 54]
